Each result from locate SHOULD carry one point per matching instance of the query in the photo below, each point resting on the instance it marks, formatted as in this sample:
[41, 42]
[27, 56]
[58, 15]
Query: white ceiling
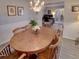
[49, 3]
[55, 3]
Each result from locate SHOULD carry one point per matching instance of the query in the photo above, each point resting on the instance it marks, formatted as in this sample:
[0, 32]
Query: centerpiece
[35, 26]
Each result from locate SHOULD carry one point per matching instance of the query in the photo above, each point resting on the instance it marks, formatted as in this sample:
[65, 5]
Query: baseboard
[70, 38]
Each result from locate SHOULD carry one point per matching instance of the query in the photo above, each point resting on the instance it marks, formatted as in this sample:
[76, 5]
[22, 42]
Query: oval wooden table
[28, 41]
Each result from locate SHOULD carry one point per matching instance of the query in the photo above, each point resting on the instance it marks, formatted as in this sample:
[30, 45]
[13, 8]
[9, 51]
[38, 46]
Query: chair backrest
[18, 30]
[5, 51]
[55, 42]
[54, 48]
[50, 52]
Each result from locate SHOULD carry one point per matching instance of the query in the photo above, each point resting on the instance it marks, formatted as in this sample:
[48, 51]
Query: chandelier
[36, 5]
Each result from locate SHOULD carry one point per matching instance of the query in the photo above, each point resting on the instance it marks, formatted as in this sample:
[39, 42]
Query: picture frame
[75, 8]
[20, 11]
[11, 10]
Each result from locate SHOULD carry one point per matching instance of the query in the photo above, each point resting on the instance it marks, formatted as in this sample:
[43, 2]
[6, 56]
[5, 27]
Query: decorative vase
[36, 29]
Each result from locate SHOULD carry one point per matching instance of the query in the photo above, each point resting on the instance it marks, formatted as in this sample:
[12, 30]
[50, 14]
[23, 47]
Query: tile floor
[69, 50]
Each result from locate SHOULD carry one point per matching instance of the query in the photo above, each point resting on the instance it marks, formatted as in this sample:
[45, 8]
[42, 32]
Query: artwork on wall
[75, 8]
[11, 10]
[20, 11]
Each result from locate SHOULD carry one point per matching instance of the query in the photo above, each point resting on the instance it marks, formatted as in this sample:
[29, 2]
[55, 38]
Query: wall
[5, 19]
[8, 23]
[71, 29]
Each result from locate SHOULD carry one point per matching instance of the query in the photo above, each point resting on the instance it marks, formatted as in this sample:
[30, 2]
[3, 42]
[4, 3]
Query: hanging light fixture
[36, 5]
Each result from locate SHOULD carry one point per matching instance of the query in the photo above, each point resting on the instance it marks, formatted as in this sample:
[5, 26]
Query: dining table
[30, 42]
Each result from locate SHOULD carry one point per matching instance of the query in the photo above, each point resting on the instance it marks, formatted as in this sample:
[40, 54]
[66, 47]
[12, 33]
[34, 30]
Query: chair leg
[22, 56]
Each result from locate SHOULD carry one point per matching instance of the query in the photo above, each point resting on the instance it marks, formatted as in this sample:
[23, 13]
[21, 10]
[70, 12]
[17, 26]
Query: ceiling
[54, 1]
[54, 4]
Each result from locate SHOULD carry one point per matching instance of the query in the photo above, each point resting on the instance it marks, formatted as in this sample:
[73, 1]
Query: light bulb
[37, 3]
[31, 3]
[42, 3]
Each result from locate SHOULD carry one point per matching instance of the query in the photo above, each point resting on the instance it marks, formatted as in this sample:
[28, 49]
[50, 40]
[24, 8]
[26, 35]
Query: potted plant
[34, 25]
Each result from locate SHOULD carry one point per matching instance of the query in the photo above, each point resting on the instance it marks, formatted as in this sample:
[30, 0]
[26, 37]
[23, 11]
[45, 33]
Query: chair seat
[14, 55]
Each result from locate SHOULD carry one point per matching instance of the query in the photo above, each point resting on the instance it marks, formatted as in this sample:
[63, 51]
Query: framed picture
[20, 11]
[11, 10]
[75, 8]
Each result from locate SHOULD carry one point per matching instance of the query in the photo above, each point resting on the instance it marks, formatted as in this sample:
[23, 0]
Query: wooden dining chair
[5, 50]
[51, 51]
[7, 53]
[22, 56]
[17, 30]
